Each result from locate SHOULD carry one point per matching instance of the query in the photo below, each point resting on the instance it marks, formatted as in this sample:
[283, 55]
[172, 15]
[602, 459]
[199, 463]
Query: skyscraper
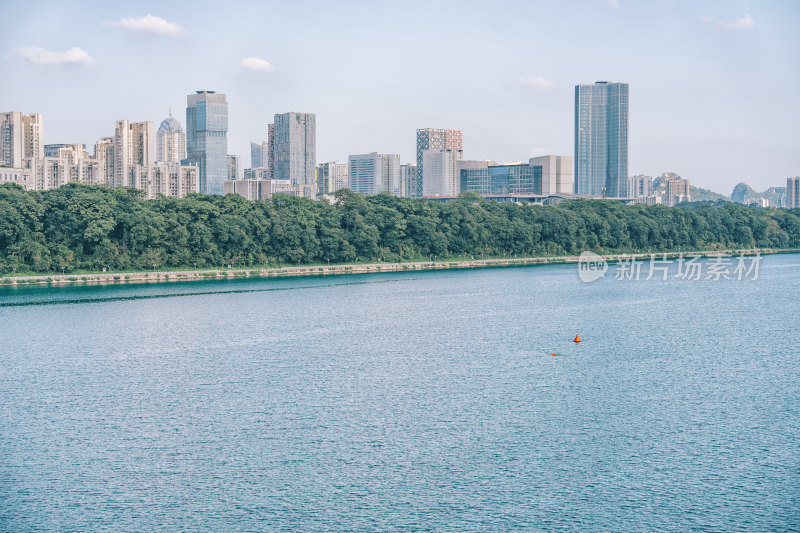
[207, 138]
[271, 150]
[793, 192]
[601, 139]
[259, 155]
[170, 141]
[296, 151]
[435, 139]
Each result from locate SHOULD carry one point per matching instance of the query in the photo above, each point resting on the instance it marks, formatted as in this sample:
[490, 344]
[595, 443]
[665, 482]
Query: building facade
[640, 186]
[234, 167]
[513, 179]
[207, 138]
[374, 173]
[332, 176]
[295, 156]
[22, 144]
[133, 145]
[170, 141]
[434, 139]
[553, 174]
[439, 177]
[259, 155]
[677, 190]
[601, 139]
[793, 192]
[259, 189]
[408, 177]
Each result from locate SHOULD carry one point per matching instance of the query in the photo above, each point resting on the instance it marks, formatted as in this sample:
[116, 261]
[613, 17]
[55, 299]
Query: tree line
[79, 227]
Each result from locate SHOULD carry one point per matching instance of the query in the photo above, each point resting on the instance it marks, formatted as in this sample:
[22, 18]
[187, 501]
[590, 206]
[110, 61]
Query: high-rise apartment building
[601, 139]
[170, 141]
[640, 186]
[133, 145]
[207, 138]
[677, 190]
[22, 143]
[296, 151]
[104, 154]
[793, 192]
[331, 177]
[434, 139]
[374, 173]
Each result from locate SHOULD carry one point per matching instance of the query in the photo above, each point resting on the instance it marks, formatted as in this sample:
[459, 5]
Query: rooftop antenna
[170, 111]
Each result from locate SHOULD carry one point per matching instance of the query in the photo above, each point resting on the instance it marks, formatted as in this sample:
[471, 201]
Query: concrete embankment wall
[326, 270]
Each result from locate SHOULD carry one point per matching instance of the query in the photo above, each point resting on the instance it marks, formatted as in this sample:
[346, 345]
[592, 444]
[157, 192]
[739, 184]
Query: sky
[713, 83]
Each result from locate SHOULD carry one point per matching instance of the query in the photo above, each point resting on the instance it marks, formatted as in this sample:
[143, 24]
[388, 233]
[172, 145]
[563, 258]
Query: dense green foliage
[89, 228]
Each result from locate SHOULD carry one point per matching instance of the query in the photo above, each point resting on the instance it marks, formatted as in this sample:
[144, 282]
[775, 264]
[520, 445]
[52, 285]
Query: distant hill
[698, 193]
[744, 194]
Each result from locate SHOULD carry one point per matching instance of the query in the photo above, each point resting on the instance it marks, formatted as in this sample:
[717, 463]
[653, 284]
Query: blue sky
[713, 84]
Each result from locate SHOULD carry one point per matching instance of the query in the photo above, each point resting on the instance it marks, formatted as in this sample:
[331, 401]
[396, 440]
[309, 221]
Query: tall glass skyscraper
[207, 138]
[601, 139]
[295, 151]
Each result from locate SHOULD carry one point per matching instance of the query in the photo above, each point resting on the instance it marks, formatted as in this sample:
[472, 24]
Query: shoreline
[330, 270]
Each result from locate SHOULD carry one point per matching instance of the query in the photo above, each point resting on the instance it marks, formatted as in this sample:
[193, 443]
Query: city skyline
[709, 80]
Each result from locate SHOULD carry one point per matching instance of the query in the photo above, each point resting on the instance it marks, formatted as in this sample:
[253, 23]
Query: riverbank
[329, 270]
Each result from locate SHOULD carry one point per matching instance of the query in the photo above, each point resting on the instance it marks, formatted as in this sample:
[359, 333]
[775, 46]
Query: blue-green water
[410, 401]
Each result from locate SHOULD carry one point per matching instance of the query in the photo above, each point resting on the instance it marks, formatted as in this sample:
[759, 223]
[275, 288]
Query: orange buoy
[553, 354]
[577, 338]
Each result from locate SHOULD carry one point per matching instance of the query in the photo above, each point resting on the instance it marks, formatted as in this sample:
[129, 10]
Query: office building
[552, 174]
[207, 138]
[170, 141]
[374, 173]
[295, 151]
[332, 176]
[434, 139]
[793, 192]
[439, 173]
[601, 139]
[511, 179]
[259, 155]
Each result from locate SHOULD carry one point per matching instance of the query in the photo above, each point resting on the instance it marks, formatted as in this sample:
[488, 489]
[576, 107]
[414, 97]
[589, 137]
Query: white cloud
[745, 22]
[613, 3]
[41, 56]
[537, 83]
[148, 24]
[257, 64]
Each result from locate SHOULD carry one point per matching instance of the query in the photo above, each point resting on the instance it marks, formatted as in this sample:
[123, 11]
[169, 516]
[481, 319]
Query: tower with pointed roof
[170, 141]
